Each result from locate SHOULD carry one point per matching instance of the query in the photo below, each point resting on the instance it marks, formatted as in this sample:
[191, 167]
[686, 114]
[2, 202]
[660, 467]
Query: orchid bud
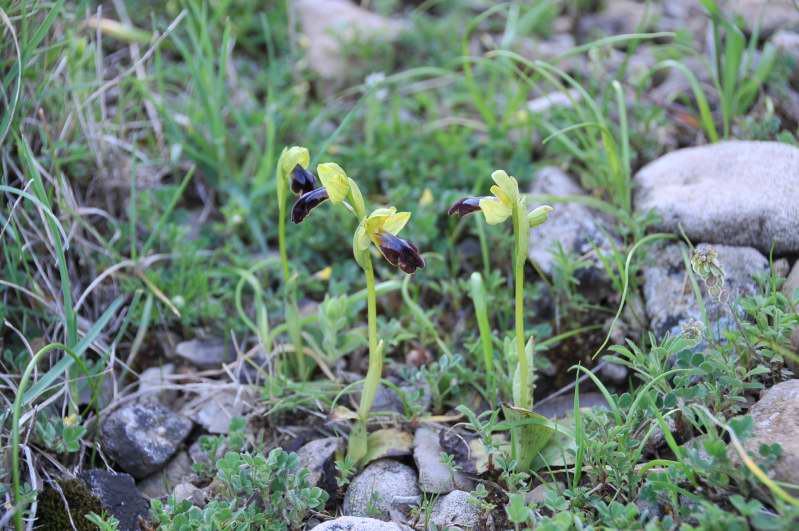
[538, 215]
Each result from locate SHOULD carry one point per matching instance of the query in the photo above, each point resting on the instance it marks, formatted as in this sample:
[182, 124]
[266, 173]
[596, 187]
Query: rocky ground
[714, 294]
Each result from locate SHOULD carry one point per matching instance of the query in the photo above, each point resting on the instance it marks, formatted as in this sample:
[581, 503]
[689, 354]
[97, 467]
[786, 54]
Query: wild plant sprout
[291, 174]
[381, 229]
[505, 204]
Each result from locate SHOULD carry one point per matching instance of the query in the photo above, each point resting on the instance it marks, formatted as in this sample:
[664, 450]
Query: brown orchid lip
[306, 203]
[464, 206]
[400, 253]
[302, 181]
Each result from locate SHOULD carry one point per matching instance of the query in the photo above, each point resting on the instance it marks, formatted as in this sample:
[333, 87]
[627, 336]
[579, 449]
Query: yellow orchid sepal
[335, 181]
[498, 208]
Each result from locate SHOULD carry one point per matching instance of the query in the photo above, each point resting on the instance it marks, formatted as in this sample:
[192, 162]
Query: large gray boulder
[142, 437]
[573, 227]
[670, 301]
[732, 193]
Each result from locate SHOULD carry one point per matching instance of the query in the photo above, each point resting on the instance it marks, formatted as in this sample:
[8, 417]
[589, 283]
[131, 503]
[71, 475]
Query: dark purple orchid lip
[400, 253]
[302, 181]
[306, 203]
[464, 206]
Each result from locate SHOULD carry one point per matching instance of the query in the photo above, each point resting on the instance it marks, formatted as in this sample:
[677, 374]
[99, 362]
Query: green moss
[52, 514]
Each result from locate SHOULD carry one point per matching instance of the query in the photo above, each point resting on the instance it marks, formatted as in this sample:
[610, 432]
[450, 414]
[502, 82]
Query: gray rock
[105, 393]
[372, 492]
[387, 400]
[161, 484]
[328, 23]
[695, 448]
[215, 409]
[141, 437]
[683, 15]
[791, 290]
[620, 16]
[434, 476]
[732, 193]
[574, 227]
[543, 104]
[541, 492]
[204, 353]
[551, 50]
[355, 523]
[187, 491]
[657, 439]
[792, 282]
[454, 511]
[152, 381]
[118, 496]
[670, 301]
[614, 373]
[767, 15]
[776, 420]
[318, 457]
[788, 43]
[563, 406]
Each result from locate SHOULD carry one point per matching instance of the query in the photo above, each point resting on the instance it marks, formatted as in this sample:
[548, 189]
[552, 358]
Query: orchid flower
[507, 203]
[381, 229]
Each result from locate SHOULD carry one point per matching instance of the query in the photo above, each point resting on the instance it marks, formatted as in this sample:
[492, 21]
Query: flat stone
[434, 476]
[118, 496]
[455, 511]
[732, 193]
[162, 483]
[327, 24]
[216, 408]
[776, 420]
[371, 493]
[152, 381]
[318, 457]
[575, 228]
[767, 15]
[670, 300]
[204, 353]
[142, 437]
[355, 523]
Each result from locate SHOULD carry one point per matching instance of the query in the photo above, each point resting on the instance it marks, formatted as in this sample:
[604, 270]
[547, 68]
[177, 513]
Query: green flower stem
[519, 260]
[281, 241]
[292, 311]
[375, 354]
